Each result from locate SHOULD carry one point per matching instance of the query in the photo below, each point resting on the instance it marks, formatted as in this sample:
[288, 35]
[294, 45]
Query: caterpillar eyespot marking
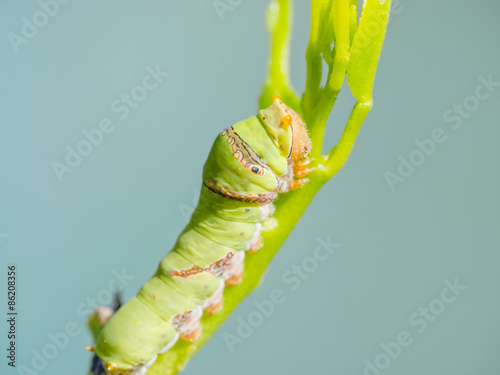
[250, 163]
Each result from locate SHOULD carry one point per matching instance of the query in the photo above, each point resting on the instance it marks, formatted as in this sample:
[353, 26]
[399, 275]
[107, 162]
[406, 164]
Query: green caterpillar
[248, 165]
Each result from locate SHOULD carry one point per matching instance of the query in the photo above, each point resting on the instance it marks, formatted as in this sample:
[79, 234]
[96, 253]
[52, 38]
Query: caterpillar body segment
[248, 165]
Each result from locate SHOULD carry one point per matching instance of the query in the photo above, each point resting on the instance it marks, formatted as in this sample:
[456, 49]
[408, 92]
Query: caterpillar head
[243, 163]
[287, 129]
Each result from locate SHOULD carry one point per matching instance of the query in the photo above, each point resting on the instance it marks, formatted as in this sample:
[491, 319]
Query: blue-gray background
[124, 205]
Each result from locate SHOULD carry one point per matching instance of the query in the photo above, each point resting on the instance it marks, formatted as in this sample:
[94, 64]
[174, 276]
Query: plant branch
[338, 23]
[338, 155]
[321, 36]
[356, 53]
[279, 24]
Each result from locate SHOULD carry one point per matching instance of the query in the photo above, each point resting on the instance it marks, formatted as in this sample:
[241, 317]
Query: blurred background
[416, 221]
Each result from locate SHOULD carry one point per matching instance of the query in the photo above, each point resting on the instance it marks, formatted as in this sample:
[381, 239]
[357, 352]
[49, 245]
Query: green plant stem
[338, 155]
[279, 24]
[355, 53]
[318, 105]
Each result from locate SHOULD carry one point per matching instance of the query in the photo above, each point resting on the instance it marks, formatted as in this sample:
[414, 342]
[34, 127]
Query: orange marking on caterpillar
[213, 268]
[295, 184]
[241, 153]
[111, 366]
[191, 336]
[286, 122]
[302, 163]
[302, 172]
[235, 279]
[186, 273]
[266, 197]
[212, 309]
[187, 325]
[255, 247]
